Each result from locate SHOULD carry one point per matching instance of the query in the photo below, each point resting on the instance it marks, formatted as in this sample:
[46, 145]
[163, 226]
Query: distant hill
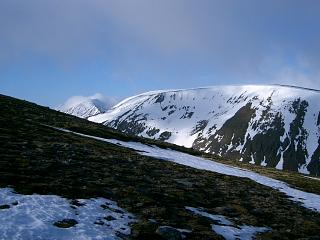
[85, 107]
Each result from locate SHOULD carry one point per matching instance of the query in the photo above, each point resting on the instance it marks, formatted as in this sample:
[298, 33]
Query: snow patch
[228, 229]
[33, 217]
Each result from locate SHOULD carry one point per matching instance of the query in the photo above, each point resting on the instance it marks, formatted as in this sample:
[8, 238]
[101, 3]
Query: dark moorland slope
[38, 159]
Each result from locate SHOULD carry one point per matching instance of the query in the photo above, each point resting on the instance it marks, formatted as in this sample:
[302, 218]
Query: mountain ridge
[272, 125]
[215, 86]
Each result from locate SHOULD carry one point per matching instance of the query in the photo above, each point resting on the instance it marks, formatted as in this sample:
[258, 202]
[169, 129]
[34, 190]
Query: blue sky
[51, 50]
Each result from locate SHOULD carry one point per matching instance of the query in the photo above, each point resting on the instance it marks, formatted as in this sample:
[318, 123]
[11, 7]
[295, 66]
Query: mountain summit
[85, 107]
[272, 125]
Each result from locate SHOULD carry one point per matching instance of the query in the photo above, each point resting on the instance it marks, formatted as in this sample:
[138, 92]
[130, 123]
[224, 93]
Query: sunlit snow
[228, 229]
[85, 107]
[215, 105]
[33, 217]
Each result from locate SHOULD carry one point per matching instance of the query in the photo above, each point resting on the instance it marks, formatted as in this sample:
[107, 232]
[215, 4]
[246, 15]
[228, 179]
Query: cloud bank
[263, 41]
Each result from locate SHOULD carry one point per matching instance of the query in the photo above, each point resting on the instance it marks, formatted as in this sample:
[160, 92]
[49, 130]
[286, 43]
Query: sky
[51, 50]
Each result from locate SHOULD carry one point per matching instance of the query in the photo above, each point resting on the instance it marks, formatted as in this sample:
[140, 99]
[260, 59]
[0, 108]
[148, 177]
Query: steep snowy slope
[275, 126]
[85, 107]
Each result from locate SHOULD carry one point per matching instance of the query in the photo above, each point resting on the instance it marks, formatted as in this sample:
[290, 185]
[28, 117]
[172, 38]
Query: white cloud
[291, 76]
[226, 37]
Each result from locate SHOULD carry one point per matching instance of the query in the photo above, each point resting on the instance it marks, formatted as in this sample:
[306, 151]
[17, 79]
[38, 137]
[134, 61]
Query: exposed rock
[5, 206]
[109, 218]
[99, 222]
[65, 223]
[169, 233]
[165, 136]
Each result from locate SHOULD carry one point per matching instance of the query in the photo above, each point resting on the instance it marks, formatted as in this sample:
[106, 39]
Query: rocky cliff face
[275, 126]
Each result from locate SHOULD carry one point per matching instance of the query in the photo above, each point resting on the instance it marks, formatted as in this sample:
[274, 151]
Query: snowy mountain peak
[267, 125]
[85, 107]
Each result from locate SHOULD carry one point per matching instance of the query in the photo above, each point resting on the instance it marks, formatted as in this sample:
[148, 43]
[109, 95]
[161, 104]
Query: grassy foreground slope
[37, 159]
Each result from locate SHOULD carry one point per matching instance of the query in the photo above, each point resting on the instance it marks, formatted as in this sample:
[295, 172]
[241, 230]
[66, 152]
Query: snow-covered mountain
[85, 107]
[275, 126]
